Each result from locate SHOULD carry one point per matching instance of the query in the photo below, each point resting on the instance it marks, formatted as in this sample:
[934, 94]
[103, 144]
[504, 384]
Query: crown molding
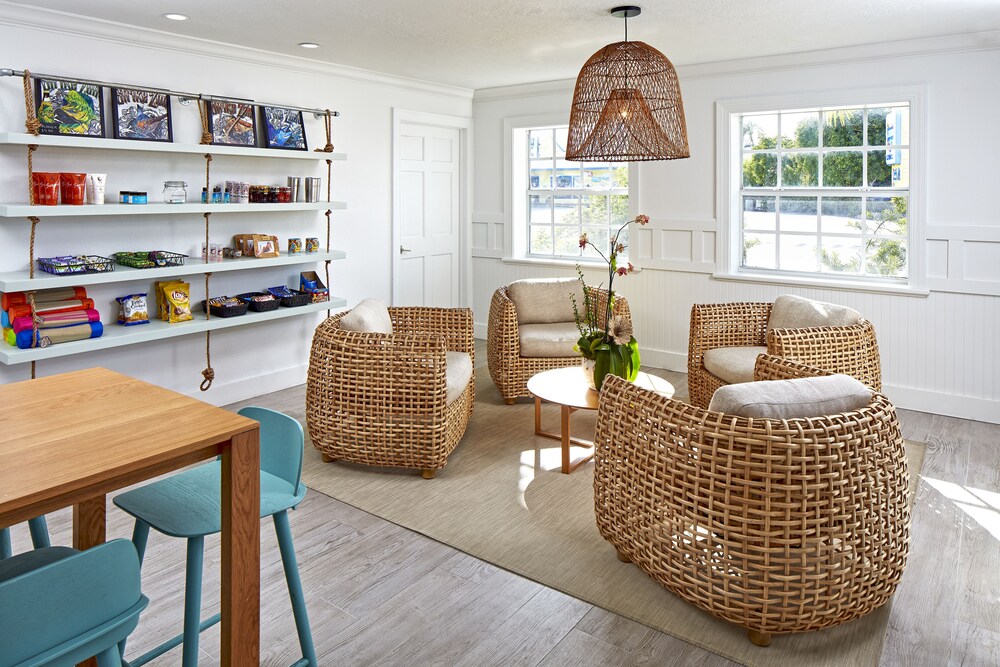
[20, 16]
[928, 46]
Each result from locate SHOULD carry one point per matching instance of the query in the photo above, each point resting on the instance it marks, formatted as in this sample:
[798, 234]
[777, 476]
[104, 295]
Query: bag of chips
[132, 310]
[177, 298]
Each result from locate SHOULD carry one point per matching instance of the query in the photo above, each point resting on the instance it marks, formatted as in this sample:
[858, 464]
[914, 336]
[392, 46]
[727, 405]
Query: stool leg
[192, 601]
[5, 548]
[109, 657]
[291, 566]
[139, 536]
[39, 532]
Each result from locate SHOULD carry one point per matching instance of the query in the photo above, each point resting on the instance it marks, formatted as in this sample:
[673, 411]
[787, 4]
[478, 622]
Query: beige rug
[502, 498]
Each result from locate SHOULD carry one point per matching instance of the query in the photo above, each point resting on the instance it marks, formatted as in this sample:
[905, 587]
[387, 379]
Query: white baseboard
[479, 330]
[241, 390]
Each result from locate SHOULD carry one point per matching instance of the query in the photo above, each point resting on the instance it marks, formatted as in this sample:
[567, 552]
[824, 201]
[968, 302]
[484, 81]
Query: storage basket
[149, 259]
[296, 298]
[69, 265]
[233, 310]
[259, 306]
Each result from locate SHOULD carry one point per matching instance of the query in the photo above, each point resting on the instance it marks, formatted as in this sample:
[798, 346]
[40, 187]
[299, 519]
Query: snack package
[177, 298]
[132, 309]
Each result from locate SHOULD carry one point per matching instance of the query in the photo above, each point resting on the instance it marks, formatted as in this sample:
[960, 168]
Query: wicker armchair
[379, 399]
[851, 350]
[776, 525]
[509, 370]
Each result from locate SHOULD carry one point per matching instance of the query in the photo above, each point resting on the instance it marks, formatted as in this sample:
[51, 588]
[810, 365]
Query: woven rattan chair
[511, 371]
[778, 526]
[851, 350]
[379, 399]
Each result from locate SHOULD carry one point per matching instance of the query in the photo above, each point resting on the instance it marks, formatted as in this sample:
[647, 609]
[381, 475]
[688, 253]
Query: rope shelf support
[209, 373]
[328, 125]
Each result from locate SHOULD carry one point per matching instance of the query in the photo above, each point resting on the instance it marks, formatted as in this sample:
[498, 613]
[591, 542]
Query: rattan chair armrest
[728, 325]
[769, 367]
[503, 333]
[454, 324]
[852, 350]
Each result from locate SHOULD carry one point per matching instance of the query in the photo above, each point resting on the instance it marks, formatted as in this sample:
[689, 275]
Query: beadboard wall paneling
[939, 352]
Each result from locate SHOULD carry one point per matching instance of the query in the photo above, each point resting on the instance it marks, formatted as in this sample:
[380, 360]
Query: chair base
[327, 458]
[428, 473]
[759, 638]
[622, 556]
[509, 401]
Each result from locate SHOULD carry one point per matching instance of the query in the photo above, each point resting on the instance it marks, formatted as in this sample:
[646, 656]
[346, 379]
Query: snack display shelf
[24, 139]
[18, 280]
[23, 210]
[116, 335]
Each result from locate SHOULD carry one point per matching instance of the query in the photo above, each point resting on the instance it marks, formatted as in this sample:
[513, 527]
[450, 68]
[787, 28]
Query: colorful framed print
[283, 128]
[232, 123]
[141, 115]
[72, 109]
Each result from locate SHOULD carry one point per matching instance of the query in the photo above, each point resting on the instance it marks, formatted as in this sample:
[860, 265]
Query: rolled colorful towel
[8, 299]
[48, 337]
[43, 307]
[53, 320]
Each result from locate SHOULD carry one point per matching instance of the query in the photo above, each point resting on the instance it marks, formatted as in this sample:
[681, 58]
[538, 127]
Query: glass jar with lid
[174, 192]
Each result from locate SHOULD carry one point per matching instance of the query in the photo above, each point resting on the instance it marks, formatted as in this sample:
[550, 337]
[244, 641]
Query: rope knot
[208, 156]
[30, 116]
[209, 375]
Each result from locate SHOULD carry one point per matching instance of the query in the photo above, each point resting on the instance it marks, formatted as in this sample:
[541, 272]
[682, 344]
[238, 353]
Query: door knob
[402, 250]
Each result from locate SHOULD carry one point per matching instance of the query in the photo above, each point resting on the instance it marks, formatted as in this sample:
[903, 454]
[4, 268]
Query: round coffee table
[568, 388]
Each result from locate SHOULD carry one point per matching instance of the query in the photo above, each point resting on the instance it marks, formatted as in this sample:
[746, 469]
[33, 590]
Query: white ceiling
[486, 43]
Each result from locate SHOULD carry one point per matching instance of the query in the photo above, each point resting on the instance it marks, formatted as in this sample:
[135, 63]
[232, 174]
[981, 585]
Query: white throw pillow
[545, 301]
[796, 312]
[369, 316]
[792, 399]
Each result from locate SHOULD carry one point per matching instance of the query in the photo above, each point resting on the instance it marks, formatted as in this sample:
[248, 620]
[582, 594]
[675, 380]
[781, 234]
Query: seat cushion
[733, 364]
[544, 301]
[795, 312]
[369, 316]
[792, 399]
[457, 375]
[548, 340]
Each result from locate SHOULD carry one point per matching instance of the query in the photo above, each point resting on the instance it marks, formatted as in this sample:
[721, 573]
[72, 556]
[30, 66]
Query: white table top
[569, 386]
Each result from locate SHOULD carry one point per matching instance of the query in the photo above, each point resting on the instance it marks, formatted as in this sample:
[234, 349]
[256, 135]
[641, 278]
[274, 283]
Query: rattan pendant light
[627, 105]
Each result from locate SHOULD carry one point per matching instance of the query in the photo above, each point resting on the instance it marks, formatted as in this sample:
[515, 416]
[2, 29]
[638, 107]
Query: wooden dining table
[70, 439]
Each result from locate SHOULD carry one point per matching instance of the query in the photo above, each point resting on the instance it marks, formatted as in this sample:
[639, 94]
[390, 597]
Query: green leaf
[601, 368]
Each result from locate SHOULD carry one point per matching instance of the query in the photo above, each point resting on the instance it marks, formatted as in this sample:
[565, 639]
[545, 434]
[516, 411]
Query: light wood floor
[380, 594]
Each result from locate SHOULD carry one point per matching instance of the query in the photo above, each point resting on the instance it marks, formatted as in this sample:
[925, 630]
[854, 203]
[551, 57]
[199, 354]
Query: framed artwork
[283, 128]
[141, 115]
[232, 123]
[73, 109]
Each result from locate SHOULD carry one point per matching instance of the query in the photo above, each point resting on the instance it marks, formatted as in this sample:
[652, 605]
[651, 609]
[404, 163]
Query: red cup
[73, 187]
[45, 187]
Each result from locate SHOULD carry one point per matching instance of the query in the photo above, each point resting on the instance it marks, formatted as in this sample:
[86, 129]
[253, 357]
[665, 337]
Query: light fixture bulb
[309, 45]
[176, 17]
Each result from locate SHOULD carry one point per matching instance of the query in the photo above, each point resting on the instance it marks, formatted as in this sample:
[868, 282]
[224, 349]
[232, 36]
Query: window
[822, 192]
[555, 201]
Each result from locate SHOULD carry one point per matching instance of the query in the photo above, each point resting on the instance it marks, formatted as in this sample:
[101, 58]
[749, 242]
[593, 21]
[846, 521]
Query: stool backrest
[47, 606]
[282, 443]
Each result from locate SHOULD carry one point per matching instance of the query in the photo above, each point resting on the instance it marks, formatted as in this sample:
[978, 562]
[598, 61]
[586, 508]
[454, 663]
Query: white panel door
[428, 207]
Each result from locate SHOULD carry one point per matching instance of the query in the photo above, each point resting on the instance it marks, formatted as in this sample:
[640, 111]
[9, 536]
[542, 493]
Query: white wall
[248, 360]
[939, 352]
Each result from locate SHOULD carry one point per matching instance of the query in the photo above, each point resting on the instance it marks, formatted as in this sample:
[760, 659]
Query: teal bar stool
[39, 536]
[189, 505]
[60, 606]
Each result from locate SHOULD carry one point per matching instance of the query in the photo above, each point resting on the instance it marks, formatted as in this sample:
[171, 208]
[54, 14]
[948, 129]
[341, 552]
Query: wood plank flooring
[379, 594]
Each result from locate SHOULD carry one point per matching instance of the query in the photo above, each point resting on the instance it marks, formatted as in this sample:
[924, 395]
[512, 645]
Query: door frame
[464, 126]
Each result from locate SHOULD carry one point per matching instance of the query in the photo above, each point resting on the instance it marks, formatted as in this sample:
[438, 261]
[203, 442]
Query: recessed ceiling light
[309, 45]
[176, 17]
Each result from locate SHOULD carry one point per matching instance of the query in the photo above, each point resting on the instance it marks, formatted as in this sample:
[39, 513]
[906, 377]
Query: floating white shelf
[22, 210]
[23, 139]
[116, 335]
[19, 280]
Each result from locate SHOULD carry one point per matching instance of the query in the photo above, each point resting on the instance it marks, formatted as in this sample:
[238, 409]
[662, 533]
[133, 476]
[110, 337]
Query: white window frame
[729, 175]
[516, 192]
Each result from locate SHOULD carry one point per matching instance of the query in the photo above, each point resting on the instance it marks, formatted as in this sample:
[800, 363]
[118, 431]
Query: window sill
[795, 281]
[560, 263]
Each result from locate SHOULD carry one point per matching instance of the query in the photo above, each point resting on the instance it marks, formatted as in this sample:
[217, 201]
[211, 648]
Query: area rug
[502, 498]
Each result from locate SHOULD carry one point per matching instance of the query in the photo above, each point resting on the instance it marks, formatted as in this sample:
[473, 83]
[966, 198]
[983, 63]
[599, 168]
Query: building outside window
[561, 200]
[821, 192]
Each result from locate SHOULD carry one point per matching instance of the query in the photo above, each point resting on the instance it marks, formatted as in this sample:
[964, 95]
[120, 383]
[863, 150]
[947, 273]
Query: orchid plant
[607, 340]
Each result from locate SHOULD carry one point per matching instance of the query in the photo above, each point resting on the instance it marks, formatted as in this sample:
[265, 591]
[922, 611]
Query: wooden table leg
[241, 550]
[564, 437]
[89, 530]
[89, 522]
[538, 416]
